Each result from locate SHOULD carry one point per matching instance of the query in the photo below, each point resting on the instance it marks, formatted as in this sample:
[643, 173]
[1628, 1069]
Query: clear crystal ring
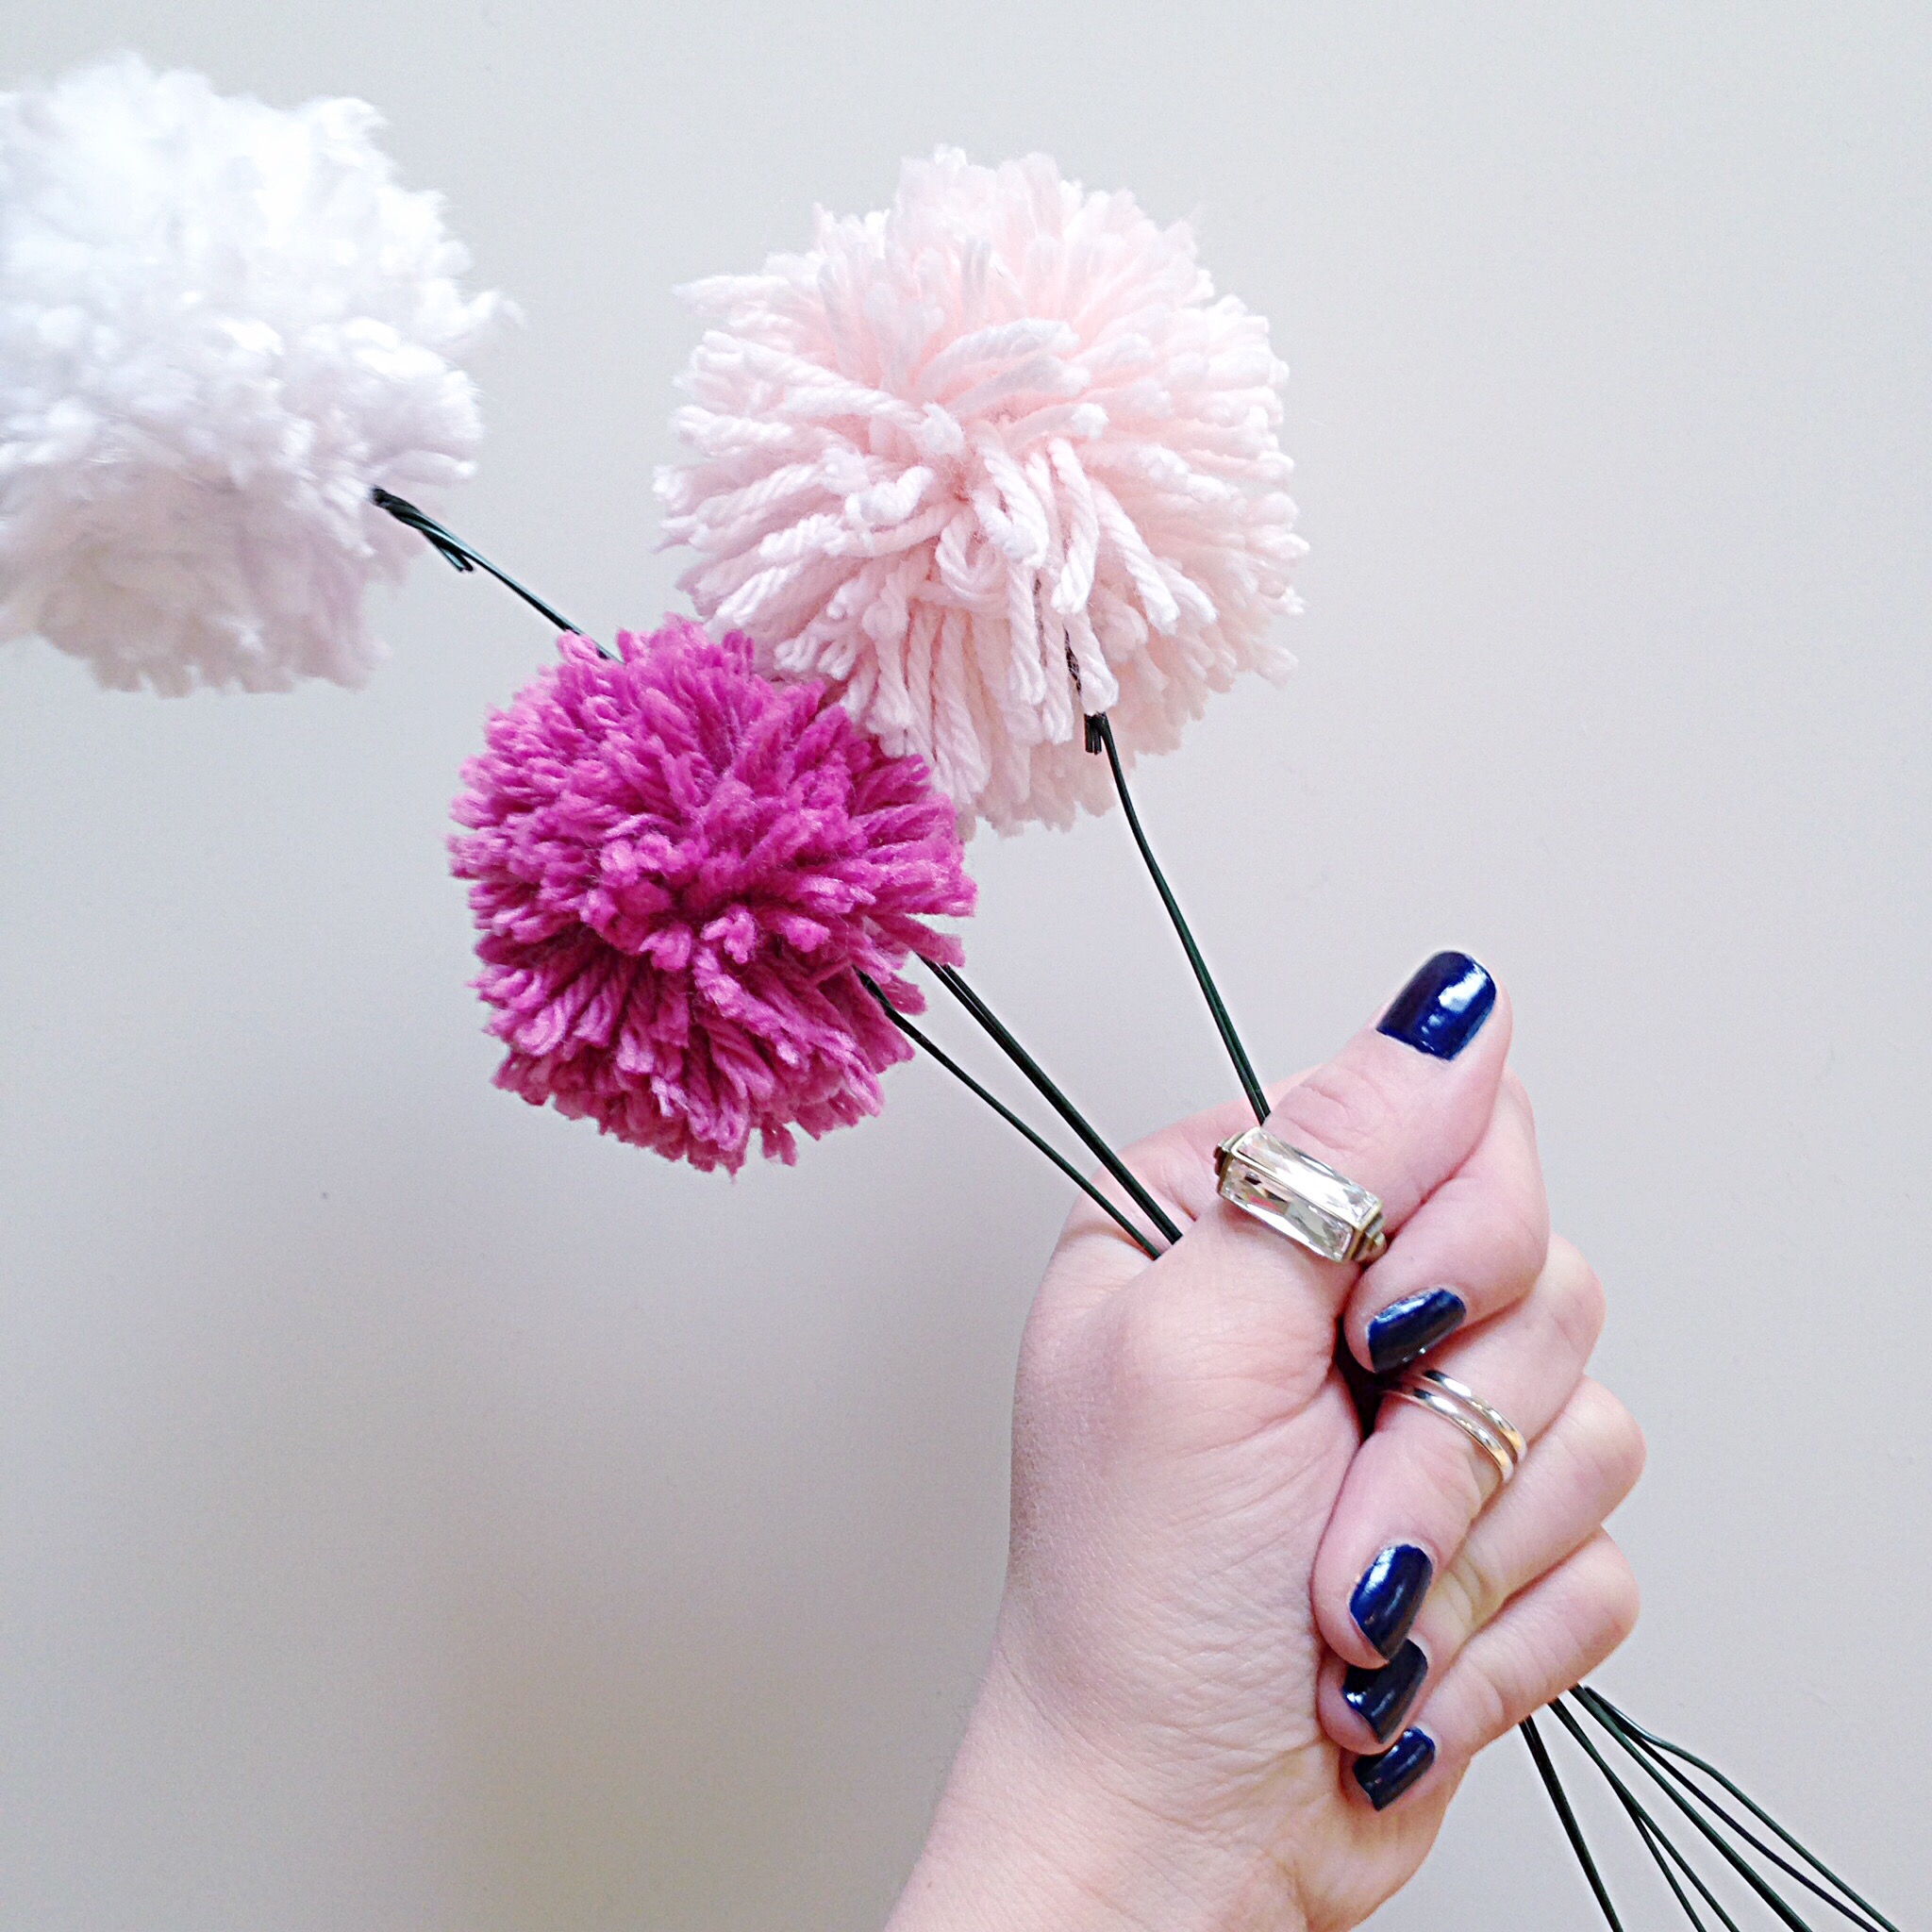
[1296, 1195]
[1489, 1428]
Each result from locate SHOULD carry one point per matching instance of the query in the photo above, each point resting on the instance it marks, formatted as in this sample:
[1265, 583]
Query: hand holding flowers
[1209, 1674]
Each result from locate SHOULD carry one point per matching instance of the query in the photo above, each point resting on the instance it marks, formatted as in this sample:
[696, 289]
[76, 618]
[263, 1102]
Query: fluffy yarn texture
[986, 460]
[220, 326]
[680, 870]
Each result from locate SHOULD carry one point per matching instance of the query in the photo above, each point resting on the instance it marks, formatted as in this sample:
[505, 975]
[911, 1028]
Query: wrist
[1032, 1835]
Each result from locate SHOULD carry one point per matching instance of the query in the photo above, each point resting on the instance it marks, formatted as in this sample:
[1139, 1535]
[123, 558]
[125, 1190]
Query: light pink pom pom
[986, 460]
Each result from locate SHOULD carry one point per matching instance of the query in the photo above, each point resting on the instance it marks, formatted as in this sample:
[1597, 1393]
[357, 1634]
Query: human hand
[1232, 1628]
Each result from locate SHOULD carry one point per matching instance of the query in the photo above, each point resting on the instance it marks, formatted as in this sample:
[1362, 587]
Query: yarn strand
[1100, 738]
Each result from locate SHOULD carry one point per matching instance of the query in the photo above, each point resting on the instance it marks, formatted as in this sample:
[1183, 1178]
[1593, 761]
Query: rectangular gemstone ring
[1297, 1197]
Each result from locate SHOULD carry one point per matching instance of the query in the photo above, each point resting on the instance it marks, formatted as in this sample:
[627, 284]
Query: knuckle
[1613, 1598]
[1592, 1454]
[1491, 1707]
[1448, 1471]
[1629, 1607]
[1519, 1232]
[1343, 1109]
[1564, 1254]
[1610, 1438]
[1576, 1301]
[1475, 1592]
[1519, 1097]
[1176, 1165]
[1523, 1661]
[1536, 1660]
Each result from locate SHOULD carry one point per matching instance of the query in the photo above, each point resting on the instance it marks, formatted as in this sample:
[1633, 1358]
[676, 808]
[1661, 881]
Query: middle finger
[1417, 1483]
[1582, 1467]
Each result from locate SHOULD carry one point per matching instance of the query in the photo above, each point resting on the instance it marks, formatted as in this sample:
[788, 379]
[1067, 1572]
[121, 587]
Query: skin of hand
[1161, 1738]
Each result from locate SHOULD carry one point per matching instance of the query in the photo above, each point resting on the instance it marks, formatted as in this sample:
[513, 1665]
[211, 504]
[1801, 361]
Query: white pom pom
[988, 460]
[220, 325]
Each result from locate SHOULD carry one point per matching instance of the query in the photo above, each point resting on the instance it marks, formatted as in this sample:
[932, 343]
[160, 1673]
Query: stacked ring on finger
[1489, 1428]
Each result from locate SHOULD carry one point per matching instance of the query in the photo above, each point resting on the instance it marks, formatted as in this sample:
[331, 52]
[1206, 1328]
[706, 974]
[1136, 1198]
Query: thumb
[1403, 1103]
[1396, 1111]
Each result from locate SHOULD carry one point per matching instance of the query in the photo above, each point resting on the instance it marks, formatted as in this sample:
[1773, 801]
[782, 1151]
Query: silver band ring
[1489, 1428]
[1298, 1196]
[1519, 1448]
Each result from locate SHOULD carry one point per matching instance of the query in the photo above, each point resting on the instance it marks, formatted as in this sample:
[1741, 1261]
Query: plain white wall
[417, 1513]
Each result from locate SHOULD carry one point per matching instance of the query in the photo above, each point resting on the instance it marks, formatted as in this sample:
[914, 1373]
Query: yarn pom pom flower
[988, 460]
[220, 325]
[680, 872]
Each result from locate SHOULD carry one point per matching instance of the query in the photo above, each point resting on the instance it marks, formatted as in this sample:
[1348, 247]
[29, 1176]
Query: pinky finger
[1541, 1643]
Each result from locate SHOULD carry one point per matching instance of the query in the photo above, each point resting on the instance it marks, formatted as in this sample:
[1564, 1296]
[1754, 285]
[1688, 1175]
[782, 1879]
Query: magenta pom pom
[680, 872]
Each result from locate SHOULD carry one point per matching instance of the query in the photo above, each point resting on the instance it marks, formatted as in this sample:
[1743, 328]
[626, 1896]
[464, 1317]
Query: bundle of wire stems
[1734, 1855]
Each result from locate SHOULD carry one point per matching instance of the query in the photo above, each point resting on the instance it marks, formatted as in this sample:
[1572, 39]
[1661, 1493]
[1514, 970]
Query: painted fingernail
[1385, 1778]
[1442, 1008]
[1381, 1698]
[1390, 1593]
[1408, 1328]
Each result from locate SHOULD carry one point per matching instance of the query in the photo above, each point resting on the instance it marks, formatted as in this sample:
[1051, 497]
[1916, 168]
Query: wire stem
[455, 552]
[1100, 738]
[1744, 1798]
[1728, 1852]
[1559, 1798]
[955, 983]
[1637, 1741]
[1012, 1120]
[1653, 1836]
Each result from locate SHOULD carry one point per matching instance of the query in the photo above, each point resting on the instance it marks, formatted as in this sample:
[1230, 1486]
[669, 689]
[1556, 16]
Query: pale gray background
[418, 1513]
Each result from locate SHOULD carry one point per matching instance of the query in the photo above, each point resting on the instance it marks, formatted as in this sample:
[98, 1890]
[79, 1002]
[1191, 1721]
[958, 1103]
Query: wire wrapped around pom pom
[681, 871]
[221, 327]
[988, 460]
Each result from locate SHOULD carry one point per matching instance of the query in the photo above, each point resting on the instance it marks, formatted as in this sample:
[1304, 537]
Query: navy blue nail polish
[1408, 1328]
[1385, 1778]
[1390, 1593]
[1381, 1698]
[1442, 1008]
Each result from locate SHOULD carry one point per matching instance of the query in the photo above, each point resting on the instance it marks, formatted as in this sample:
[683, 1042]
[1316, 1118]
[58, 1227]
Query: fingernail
[1385, 1778]
[1409, 1327]
[1381, 1698]
[1442, 1008]
[1390, 1593]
